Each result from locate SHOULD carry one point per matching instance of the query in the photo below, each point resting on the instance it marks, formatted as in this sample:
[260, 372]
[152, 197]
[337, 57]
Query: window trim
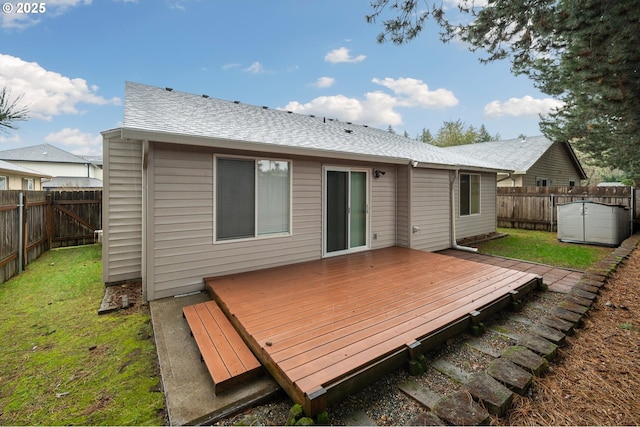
[256, 236]
[546, 180]
[28, 182]
[460, 214]
[6, 182]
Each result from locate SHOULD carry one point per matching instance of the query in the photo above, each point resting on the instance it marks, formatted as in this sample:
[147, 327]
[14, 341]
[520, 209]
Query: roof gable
[157, 112]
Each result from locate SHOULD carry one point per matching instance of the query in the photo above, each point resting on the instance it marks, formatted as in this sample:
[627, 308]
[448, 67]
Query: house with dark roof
[198, 187]
[535, 161]
[16, 177]
[56, 162]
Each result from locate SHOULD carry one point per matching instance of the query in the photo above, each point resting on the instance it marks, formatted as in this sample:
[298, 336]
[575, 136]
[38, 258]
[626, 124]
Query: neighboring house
[72, 183]
[54, 161]
[15, 177]
[535, 161]
[198, 187]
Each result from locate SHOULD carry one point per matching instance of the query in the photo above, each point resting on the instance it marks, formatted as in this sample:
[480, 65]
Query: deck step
[229, 361]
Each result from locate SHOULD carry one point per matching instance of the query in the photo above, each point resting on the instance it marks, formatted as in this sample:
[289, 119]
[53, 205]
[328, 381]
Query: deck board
[314, 324]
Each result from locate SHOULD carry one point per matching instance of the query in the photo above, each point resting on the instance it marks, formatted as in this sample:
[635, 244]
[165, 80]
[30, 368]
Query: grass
[543, 247]
[62, 363]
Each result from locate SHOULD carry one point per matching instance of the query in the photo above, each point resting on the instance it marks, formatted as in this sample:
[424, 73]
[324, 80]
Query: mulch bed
[596, 379]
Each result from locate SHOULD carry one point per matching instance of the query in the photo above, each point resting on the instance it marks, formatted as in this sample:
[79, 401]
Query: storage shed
[594, 223]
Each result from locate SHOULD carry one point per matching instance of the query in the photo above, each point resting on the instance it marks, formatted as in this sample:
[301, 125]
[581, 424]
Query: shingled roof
[41, 153]
[166, 115]
[518, 154]
[17, 169]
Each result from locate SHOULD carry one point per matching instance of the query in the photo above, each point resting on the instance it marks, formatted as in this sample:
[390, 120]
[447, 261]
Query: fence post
[21, 219]
[49, 229]
[551, 213]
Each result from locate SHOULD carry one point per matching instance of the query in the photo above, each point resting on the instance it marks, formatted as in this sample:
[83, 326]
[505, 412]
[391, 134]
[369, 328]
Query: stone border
[492, 390]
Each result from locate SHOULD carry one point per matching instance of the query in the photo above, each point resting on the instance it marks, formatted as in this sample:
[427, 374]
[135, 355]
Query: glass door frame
[349, 249]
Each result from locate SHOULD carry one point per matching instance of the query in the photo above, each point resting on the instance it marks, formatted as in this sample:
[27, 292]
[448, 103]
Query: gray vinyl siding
[383, 208]
[122, 210]
[554, 165]
[485, 222]
[430, 209]
[183, 224]
[181, 219]
[402, 207]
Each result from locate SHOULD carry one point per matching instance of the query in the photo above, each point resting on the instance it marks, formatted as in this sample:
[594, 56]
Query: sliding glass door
[346, 210]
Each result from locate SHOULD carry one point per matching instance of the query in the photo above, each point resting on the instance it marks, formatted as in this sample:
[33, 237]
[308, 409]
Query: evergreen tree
[584, 52]
[426, 136]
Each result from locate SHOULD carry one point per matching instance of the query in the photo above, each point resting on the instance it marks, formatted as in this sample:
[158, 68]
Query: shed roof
[20, 170]
[41, 153]
[518, 154]
[166, 115]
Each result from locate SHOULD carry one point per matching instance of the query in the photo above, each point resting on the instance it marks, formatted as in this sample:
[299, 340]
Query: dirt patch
[597, 376]
[115, 295]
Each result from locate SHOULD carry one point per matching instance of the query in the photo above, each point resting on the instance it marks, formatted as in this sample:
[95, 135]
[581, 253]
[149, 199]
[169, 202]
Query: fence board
[535, 208]
[52, 219]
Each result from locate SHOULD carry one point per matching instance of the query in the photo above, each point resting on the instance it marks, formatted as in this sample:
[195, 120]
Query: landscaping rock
[551, 334]
[420, 393]
[526, 359]
[572, 306]
[494, 396]
[544, 348]
[568, 315]
[426, 419]
[556, 323]
[461, 410]
[452, 371]
[511, 375]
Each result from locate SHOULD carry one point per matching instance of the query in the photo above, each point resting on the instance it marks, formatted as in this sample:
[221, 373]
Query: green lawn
[543, 247]
[63, 364]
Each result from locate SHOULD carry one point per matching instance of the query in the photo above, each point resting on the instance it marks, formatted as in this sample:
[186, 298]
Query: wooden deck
[325, 328]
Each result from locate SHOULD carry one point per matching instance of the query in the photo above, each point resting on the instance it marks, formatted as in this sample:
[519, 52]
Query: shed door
[346, 214]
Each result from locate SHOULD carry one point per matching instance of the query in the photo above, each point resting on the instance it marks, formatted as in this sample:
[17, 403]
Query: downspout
[454, 244]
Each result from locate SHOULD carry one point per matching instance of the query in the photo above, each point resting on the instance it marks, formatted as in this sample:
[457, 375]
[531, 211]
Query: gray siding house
[197, 187]
[535, 162]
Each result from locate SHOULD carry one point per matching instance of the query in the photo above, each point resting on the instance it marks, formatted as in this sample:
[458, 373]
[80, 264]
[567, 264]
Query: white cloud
[47, 93]
[255, 68]
[526, 106]
[416, 93]
[324, 82]
[80, 143]
[377, 107]
[19, 21]
[342, 55]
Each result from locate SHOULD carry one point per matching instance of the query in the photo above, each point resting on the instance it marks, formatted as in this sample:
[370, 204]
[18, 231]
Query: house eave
[145, 135]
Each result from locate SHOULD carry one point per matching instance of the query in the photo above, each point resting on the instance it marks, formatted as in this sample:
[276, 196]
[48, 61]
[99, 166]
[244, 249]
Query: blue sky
[313, 57]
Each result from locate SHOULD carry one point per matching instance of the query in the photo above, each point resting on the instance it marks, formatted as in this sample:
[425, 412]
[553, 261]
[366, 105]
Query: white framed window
[4, 183]
[28, 184]
[542, 182]
[469, 194]
[253, 198]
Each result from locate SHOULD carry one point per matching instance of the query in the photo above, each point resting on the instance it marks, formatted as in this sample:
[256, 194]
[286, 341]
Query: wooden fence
[535, 208]
[32, 222]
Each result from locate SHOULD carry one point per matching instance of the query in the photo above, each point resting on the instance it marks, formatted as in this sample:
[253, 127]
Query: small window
[542, 182]
[572, 183]
[28, 184]
[252, 198]
[469, 194]
[4, 184]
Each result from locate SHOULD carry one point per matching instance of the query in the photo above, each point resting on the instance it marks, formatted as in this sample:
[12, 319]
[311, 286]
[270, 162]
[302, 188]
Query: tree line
[454, 132]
